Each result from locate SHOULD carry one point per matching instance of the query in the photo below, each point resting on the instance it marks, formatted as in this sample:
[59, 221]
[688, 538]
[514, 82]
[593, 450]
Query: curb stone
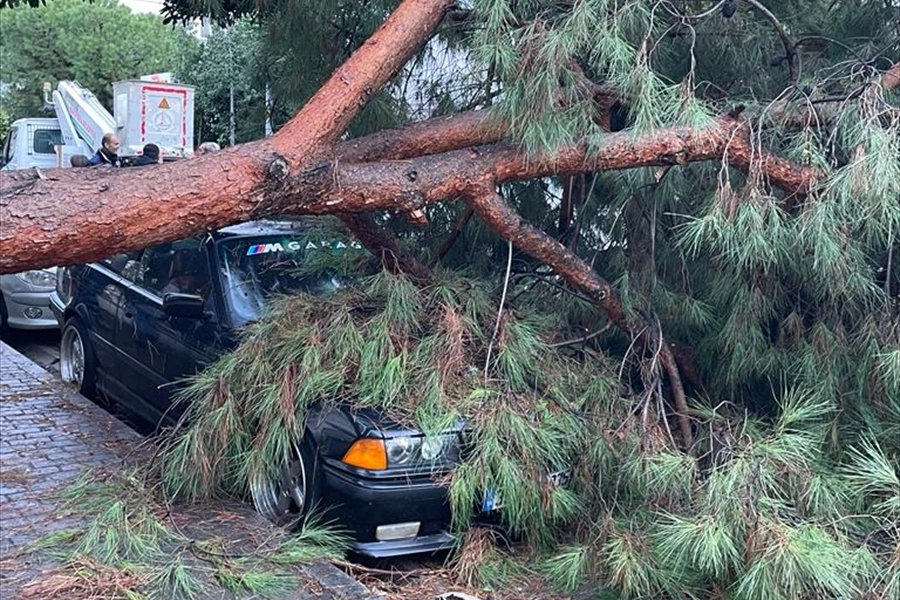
[341, 585]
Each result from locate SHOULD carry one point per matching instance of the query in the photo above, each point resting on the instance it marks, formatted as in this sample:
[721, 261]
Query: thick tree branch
[77, 215]
[681, 407]
[507, 223]
[325, 118]
[433, 136]
[407, 184]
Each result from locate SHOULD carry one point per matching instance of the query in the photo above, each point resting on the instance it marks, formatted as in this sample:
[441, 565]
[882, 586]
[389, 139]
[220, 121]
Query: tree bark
[494, 210]
[68, 216]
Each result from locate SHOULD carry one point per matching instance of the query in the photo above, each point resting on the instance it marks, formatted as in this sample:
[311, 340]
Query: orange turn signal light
[367, 453]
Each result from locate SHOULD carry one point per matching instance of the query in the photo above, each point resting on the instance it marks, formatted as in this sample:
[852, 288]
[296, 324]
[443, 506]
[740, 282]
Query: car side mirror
[186, 306]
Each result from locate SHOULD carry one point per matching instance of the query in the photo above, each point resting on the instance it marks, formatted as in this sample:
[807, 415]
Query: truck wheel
[77, 364]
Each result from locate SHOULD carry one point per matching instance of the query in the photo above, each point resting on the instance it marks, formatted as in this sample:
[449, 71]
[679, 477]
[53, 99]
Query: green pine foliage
[419, 354]
[124, 544]
[789, 306]
[766, 509]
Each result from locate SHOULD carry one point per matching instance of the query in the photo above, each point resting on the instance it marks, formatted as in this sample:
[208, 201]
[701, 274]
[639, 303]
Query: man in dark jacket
[108, 152]
[149, 156]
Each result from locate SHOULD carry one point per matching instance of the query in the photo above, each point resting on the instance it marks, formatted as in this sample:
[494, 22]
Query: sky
[143, 6]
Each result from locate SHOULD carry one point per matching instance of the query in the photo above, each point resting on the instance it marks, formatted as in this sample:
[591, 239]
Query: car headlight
[401, 451]
[422, 451]
[404, 452]
[45, 278]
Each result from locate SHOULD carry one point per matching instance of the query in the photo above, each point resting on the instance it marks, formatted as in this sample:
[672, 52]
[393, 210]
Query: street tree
[690, 213]
[227, 72]
[94, 43]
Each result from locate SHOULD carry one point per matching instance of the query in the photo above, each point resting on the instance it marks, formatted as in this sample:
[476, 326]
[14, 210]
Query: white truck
[144, 112]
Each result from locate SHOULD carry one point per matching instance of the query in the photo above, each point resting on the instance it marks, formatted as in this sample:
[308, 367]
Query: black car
[134, 324]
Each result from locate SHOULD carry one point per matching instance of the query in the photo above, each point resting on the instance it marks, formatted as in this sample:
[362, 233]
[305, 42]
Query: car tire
[77, 364]
[285, 498]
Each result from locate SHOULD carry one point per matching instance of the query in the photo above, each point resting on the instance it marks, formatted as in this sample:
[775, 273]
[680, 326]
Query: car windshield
[253, 269]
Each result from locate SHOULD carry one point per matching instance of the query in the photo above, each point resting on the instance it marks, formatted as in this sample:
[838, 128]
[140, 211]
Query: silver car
[25, 300]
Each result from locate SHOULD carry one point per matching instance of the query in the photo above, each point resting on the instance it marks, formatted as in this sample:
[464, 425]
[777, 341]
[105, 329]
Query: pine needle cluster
[764, 509]
[429, 357]
[123, 544]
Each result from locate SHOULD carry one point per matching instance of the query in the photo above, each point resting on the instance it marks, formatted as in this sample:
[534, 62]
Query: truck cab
[31, 143]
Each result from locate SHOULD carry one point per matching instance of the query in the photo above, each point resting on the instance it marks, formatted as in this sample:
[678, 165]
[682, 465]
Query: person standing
[149, 156]
[108, 153]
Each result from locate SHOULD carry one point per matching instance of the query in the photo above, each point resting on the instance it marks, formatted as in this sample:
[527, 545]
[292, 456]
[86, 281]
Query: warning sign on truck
[161, 113]
[163, 117]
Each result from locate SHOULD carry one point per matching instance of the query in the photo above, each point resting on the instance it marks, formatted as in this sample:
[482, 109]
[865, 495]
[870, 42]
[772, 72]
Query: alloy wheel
[281, 497]
[71, 357]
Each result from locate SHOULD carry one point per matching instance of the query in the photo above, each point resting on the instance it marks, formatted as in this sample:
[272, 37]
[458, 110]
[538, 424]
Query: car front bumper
[362, 503]
[29, 310]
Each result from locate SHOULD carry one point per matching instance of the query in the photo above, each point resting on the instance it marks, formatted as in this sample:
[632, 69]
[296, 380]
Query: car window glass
[179, 267]
[126, 264]
[254, 269]
[45, 141]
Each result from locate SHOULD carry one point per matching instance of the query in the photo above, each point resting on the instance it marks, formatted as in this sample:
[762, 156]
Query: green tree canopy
[95, 43]
[788, 305]
[699, 313]
[229, 60]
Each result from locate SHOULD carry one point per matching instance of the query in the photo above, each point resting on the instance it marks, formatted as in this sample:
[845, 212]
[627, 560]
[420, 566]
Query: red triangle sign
[163, 103]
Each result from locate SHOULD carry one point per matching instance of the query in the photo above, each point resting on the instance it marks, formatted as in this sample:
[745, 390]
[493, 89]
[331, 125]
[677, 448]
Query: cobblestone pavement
[49, 436]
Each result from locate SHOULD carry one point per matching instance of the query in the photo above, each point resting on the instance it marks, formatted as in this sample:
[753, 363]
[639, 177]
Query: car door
[104, 288]
[42, 142]
[162, 350]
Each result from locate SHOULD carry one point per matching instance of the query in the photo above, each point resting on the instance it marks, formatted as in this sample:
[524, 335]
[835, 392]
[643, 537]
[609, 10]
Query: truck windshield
[253, 270]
